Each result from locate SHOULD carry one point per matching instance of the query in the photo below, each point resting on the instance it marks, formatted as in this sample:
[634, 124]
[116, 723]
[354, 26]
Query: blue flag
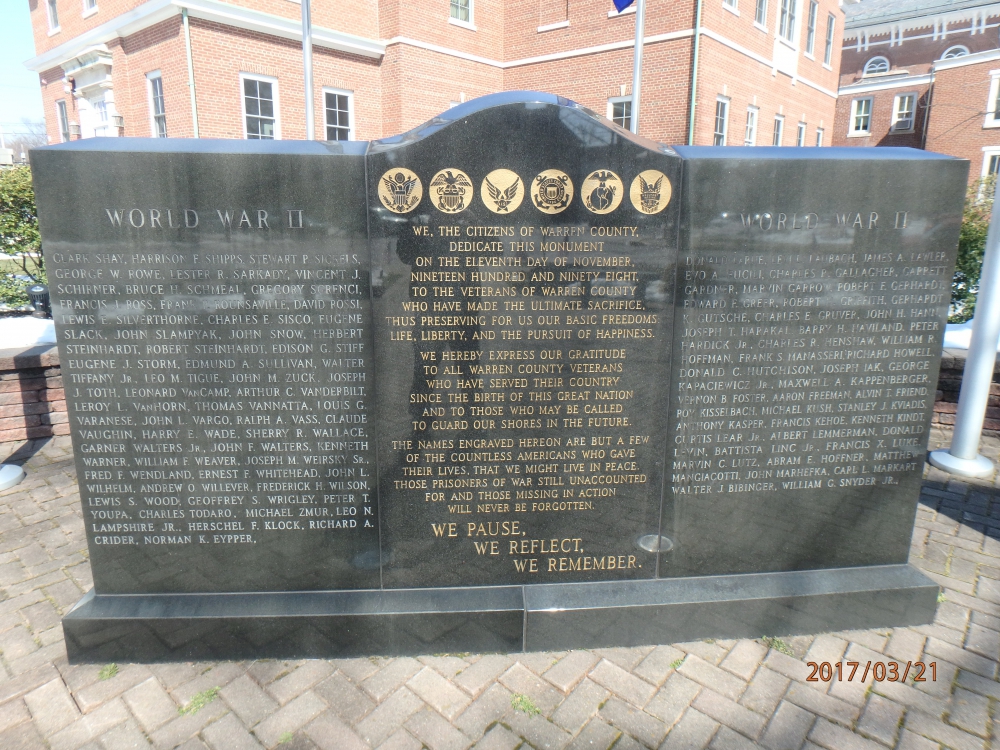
[623, 4]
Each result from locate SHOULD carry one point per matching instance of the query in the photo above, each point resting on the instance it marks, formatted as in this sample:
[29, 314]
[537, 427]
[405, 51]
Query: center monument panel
[523, 338]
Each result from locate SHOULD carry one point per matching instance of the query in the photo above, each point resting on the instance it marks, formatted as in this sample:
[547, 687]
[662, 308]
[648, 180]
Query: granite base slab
[334, 624]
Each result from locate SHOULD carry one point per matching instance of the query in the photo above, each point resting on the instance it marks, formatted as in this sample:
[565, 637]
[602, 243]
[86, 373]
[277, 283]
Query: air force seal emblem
[400, 190]
[602, 191]
[502, 191]
[650, 192]
[451, 190]
[552, 191]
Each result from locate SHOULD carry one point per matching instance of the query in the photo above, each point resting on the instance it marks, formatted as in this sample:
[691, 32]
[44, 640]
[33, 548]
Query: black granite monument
[517, 379]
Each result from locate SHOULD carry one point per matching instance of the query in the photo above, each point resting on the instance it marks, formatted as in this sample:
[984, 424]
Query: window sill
[786, 43]
[760, 27]
[907, 131]
[992, 123]
[90, 12]
[866, 134]
[462, 24]
[629, 11]
[56, 30]
[827, 66]
[553, 26]
[808, 56]
[732, 9]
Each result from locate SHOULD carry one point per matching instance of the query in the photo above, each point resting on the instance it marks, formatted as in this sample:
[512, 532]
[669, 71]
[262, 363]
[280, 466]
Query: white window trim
[553, 26]
[351, 133]
[820, 132]
[781, 131]
[149, 101]
[793, 43]
[88, 12]
[48, 15]
[69, 135]
[954, 46]
[630, 10]
[801, 129]
[470, 24]
[725, 125]
[732, 8]
[756, 126]
[993, 117]
[988, 151]
[888, 66]
[895, 112]
[831, 21]
[805, 48]
[761, 26]
[618, 100]
[851, 132]
[277, 102]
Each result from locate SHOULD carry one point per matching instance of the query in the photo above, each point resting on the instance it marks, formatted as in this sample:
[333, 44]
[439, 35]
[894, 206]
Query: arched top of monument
[591, 128]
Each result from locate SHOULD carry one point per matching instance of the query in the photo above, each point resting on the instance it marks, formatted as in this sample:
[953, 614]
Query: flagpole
[307, 64]
[640, 27]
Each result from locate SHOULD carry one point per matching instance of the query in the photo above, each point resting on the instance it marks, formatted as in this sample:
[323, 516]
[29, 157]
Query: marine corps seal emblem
[502, 191]
[552, 191]
[650, 192]
[451, 190]
[400, 190]
[602, 191]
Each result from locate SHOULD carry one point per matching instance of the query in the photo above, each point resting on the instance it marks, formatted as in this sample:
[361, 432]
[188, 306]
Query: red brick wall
[32, 397]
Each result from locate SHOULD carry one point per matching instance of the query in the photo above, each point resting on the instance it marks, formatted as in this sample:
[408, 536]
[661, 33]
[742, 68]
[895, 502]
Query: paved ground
[722, 694]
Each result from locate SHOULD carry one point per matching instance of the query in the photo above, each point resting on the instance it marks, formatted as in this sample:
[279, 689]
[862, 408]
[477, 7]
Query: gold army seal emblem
[650, 192]
[502, 191]
[602, 191]
[451, 190]
[400, 190]
[552, 191]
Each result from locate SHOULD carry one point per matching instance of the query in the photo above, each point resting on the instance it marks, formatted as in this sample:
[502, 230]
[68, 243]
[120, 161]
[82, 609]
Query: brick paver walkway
[717, 694]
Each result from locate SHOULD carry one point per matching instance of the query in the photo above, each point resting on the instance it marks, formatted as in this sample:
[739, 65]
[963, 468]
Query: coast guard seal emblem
[552, 191]
[451, 190]
[650, 192]
[602, 191]
[502, 191]
[400, 190]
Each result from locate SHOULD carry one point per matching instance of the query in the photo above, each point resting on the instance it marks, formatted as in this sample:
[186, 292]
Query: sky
[20, 95]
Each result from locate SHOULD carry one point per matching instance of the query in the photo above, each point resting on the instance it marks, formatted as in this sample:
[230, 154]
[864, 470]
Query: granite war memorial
[515, 380]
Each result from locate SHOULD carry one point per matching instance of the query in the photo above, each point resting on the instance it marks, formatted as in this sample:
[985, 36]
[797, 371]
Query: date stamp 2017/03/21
[881, 671]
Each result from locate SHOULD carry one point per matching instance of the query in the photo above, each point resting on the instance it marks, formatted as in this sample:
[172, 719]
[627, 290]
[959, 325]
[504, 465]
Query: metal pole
[694, 73]
[190, 62]
[307, 62]
[963, 457]
[640, 28]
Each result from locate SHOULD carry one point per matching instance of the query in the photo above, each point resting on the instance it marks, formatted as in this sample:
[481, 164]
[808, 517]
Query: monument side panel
[811, 307]
[212, 314]
[523, 341]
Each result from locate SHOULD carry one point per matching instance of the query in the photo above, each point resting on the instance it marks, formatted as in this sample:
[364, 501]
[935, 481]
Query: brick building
[765, 73]
[922, 74]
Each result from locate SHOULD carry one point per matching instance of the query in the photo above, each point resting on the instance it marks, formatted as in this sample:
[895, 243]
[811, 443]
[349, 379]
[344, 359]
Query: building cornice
[901, 82]
[155, 11]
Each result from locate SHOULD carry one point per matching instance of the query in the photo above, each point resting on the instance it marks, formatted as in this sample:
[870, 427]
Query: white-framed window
[89, 7]
[779, 130]
[958, 50]
[620, 111]
[157, 106]
[52, 9]
[811, 27]
[876, 65]
[819, 137]
[800, 135]
[861, 117]
[260, 107]
[731, 5]
[991, 162]
[993, 102]
[760, 17]
[62, 117]
[461, 13]
[721, 121]
[904, 109]
[786, 21]
[100, 108]
[750, 134]
[338, 109]
[831, 24]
